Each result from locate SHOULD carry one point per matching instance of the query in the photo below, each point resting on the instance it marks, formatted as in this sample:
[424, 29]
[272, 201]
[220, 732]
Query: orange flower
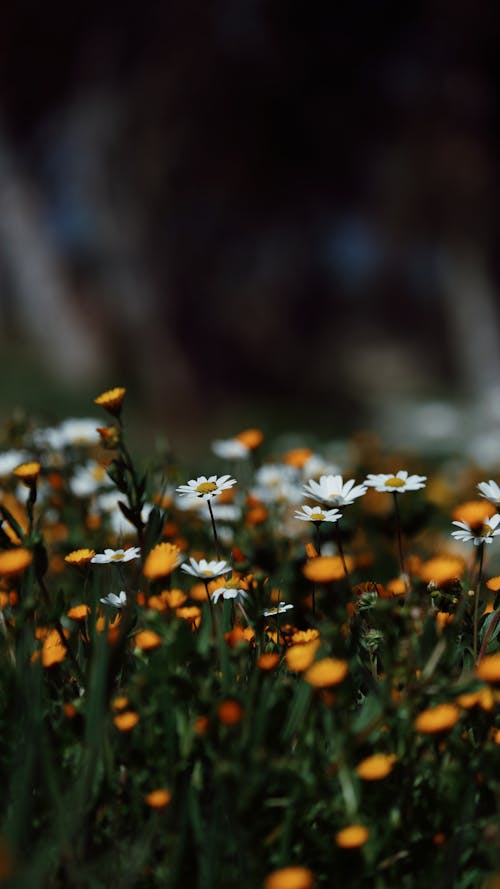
[256, 515]
[326, 672]
[120, 702]
[396, 587]
[474, 512]
[174, 598]
[488, 668]
[79, 557]
[111, 400]
[200, 725]
[324, 569]
[147, 640]
[300, 657]
[239, 634]
[437, 719]
[161, 561]
[70, 710]
[230, 712]
[268, 661]
[290, 878]
[78, 612]
[158, 799]
[301, 637]
[297, 457]
[28, 472]
[53, 649]
[352, 837]
[191, 613]
[443, 618]
[493, 583]
[251, 438]
[14, 561]
[110, 436]
[126, 721]
[484, 698]
[442, 569]
[375, 767]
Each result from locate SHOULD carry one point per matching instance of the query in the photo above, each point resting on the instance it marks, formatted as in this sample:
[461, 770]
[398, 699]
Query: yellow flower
[437, 719]
[111, 400]
[375, 767]
[324, 569]
[126, 721]
[120, 702]
[161, 560]
[268, 661]
[158, 799]
[474, 512]
[442, 569]
[80, 557]
[488, 668]
[300, 657]
[147, 640]
[290, 878]
[78, 612]
[352, 837]
[28, 472]
[14, 561]
[53, 650]
[326, 672]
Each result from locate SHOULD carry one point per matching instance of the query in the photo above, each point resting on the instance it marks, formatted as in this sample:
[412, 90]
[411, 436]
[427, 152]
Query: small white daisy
[88, 479]
[205, 488]
[399, 483]
[280, 609]
[116, 601]
[490, 490]
[230, 449]
[206, 570]
[229, 592]
[488, 531]
[10, 459]
[332, 489]
[316, 514]
[276, 484]
[112, 556]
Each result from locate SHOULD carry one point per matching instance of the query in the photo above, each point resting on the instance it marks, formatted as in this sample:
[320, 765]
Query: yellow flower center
[317, 516]
[206, 487]
[486, 530]
[206, 573]
[394, 482]
[117, 557]
[98, 473]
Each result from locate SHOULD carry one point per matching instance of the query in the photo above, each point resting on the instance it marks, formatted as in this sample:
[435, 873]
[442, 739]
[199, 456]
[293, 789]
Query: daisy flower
[206, 488]
[206, 570]
[398, 483]
[116, 601]
[229, 592]
[230, 449]
[110, 556]
[316, 514]
[280, 609]
[88, 479]
[490, 490]
[332, 489]
[486, 534]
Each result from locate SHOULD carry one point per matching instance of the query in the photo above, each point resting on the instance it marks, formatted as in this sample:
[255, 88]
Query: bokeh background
[253, 213]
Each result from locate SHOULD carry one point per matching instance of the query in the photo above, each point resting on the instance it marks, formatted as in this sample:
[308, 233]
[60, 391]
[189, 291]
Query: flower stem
[342, 556]
[402, 569]
[214, 529]
[476, 600]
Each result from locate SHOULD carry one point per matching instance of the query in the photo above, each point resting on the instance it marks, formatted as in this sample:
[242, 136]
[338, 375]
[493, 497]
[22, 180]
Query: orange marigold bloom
[79, 557]
[290, 878]
[323, 569]
[78, 612]
[111, 400]
[53, 650]
[488, 668]
[230, 712]
[326, 672]
[437, 719]
[14, 561]
[297, 457]
[161, 561]
[301, 637]
[251, 438]
[126, 721]
[396, 587]
[493, 583]
[256, 515]
[239, 634]
[191, 613]
[147, 640]
[300, 657]
[375, 767]
[158, 799]
[200, 725]
[268, 661]
[174, 598]
[120, 702]
[474, 512]
[352, 837]
[443, 618]
[442, 569]
[28, 472]
[110, 436]
[70, 710]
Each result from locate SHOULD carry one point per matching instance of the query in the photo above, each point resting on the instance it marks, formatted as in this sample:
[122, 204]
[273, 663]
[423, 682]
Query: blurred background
[253, 213]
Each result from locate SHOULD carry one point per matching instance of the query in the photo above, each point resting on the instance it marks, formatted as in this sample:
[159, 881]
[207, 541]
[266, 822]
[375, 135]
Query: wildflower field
[281, 673]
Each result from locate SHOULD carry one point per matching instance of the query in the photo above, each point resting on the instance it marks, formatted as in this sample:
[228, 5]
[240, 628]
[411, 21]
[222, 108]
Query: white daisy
[206, 570]
[490, 490]
[280, 609]
[88, 479]
[229, 592]
[276, 484]
[10, 459]
[111, 556]
[399, 483]
[116, 601]
[230, 449]
[332, 489]
[316, 514]
[205, 488]
[488, 531]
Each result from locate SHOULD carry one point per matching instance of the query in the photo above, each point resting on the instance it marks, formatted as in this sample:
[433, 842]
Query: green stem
[342, 556]
[476, 600]
[402, 569]
[214, 529]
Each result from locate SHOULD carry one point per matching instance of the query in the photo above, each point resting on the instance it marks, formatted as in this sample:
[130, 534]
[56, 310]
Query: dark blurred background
[247, 212]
